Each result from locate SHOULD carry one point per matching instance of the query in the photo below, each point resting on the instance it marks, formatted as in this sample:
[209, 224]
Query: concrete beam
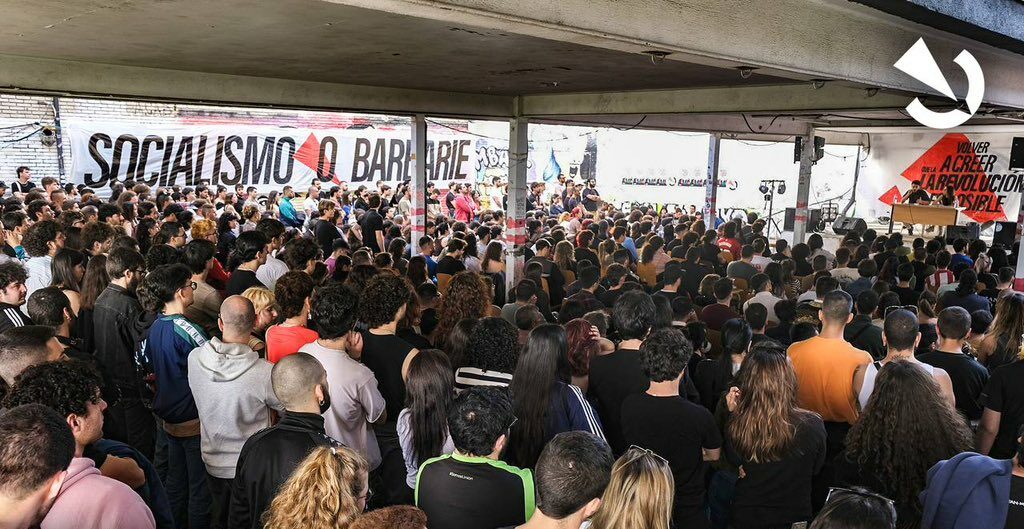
[802, 39]
[759, 99]
[23, 74]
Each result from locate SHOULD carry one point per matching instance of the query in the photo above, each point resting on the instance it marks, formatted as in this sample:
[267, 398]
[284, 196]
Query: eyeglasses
[646, 451]
[866, 494]
[911, 308]
[513, 423]
[191, 284]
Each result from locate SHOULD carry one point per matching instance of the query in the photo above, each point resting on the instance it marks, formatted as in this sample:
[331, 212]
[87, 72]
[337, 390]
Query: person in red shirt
[716, 314]
[292, 292]
[465, 206]
[728, 242]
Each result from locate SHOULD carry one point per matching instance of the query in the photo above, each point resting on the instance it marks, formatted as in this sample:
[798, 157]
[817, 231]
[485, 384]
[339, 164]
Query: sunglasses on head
[894, 308]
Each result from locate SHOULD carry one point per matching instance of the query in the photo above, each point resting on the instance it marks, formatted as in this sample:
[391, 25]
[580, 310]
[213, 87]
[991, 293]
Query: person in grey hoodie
[231, 387]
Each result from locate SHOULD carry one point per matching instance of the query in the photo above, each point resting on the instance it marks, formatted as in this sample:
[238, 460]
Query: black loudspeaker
[1017, 154]
[1005, 234]
[844, 225]
[969, 232]
[813, 220]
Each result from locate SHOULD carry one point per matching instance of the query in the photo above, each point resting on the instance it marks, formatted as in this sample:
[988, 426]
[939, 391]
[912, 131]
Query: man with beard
[38, 447]
[118, 324]
[12, 295]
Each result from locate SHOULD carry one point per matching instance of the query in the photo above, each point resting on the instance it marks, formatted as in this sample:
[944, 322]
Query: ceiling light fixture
[817, 84]
[746, 71]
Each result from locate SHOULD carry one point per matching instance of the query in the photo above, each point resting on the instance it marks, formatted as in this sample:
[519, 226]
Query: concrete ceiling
[312, 40]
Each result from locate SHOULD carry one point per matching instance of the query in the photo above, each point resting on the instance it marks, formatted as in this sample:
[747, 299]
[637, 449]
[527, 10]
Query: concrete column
[515, 216]
[803, 187]
[418, 181]
[711, 183]
[1018, 282]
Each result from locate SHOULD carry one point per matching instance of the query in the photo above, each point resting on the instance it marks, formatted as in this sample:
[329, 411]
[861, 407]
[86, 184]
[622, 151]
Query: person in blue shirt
[959, 257]
[167, 291]
[625, 241]
[289, 216]
[427, 251]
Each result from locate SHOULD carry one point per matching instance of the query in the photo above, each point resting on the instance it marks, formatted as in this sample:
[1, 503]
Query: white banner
[976, 165]
[263, 156]
[671, 168]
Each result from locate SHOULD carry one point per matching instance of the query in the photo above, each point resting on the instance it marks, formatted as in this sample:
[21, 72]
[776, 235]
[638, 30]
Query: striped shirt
[467, 377]
[939, 279]
[11, 316]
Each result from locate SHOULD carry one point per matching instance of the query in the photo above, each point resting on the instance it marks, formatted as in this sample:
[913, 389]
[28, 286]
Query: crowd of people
[207, 357]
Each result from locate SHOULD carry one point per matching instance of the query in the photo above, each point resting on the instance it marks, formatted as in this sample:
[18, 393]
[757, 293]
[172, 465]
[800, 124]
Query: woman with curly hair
[491, 356]
[467, 297]
[779, 446]
[328, 490]
[906, 428]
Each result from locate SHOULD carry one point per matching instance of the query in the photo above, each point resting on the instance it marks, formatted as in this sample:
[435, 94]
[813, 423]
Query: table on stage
[927, 215]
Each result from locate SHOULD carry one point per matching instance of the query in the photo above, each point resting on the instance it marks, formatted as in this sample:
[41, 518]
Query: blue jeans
[186, 485]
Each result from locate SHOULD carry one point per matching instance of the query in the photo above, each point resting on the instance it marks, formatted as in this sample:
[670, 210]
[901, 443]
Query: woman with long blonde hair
[564, 257]
[605, 250]
[639, 495]
[778, 446]
[327, 491]
[1003, 345]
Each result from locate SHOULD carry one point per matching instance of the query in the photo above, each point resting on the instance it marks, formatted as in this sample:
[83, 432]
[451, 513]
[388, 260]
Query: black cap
[3, 185]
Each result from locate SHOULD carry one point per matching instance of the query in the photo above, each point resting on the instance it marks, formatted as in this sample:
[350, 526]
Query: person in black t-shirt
[617, 375]
[451, 263]
[591, 198]
[326, 230]
[916, 195]
[775, 490]
[471, 488]
[250, 252]
[682, 432]
[382, 305]
[372, 225]
[1015, 515]
[967, 375]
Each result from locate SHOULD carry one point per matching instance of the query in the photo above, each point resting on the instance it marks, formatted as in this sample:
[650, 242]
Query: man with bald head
[268, 458]
[233, 393]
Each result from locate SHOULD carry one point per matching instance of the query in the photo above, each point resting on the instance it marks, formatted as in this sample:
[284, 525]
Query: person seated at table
[947, 199]
[916, 195]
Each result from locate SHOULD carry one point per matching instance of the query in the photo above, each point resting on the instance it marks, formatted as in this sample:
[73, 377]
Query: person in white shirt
[41, 242]
[269, 272]
[759, 260]
[762, 285]
[842, 272]
[356, 403]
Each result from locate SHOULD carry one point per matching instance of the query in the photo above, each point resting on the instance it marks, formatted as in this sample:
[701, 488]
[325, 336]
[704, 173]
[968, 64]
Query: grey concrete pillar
[803, 187]
[711, 184]
[515, 216]
[418, 181]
